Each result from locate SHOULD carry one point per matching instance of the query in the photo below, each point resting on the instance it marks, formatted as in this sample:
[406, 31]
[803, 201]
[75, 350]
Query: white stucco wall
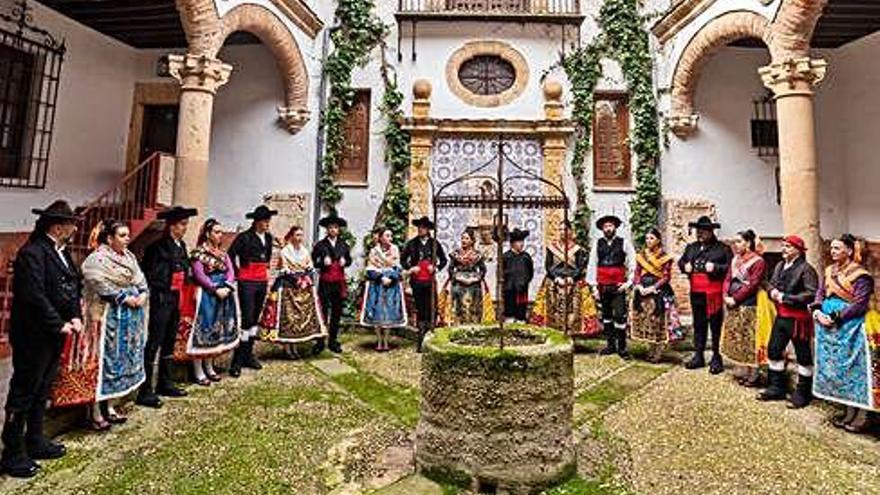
[91, 123]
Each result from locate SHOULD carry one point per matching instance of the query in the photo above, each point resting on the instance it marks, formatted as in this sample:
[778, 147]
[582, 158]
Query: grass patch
[616, 388]
[580, 486]
[400, 402]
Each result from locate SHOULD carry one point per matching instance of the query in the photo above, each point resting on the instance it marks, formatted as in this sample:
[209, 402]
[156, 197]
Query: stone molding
[679, 16]
[199, 72]
[793, 76]
[474, 48]
[206, 33]
[683, 126]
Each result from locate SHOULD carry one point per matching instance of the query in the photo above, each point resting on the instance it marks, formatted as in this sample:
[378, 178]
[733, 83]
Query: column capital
[793, 76]
[198, 72]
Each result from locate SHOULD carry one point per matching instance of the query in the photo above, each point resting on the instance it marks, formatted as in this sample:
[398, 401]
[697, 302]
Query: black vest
[611, 254]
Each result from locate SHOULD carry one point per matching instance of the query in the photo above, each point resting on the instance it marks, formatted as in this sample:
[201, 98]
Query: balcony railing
[501, 8]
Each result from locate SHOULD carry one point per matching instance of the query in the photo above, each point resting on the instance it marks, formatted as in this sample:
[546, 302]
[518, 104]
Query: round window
[487, 75]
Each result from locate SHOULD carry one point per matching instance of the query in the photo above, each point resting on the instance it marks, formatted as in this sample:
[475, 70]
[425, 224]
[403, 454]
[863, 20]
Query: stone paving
[342, 425]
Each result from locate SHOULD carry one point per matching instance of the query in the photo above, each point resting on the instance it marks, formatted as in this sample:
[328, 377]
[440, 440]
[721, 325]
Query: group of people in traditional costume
[93, 334]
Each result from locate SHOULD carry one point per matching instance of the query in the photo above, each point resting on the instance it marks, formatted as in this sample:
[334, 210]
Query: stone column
[199, 77]
[792, 83]
[420, 156]
[555, 148]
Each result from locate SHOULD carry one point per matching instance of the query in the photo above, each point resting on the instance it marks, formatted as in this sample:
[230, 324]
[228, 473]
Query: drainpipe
[322, 105]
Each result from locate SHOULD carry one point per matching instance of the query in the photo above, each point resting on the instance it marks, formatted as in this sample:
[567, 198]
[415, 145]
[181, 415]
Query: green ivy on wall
[354, 37]
[623, 38]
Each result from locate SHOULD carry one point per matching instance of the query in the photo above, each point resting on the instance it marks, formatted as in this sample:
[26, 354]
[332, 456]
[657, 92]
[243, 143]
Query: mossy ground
[649, 429]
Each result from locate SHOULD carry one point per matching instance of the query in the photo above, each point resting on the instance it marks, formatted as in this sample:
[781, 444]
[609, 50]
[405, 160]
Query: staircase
[136, 200]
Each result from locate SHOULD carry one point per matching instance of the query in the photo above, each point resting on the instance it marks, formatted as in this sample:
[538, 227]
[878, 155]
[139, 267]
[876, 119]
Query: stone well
[497, 420]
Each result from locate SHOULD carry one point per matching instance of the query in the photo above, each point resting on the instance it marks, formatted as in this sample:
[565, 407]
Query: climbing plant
[623, 38]
[627, 43]
[357, 33]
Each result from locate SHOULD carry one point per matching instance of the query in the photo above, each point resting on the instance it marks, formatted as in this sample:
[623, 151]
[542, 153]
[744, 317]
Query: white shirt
[59, 250]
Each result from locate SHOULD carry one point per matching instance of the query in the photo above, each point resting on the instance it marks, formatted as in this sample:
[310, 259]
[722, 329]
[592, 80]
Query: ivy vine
[623, 38]
[357, 33]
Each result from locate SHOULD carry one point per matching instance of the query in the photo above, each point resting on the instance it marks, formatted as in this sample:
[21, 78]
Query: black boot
[319, 346]
[611, 341]
[146, 396]
[248, 360]
[698, 360]
[235, 365]
[420, 339]
[803, 393]
[621, 343]
[38, 446]
[166, 386]
[716, 364]
[15, 461]
[775, 388]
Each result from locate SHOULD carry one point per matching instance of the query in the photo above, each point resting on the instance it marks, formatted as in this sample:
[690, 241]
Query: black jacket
[798, 283]
[415, 251]
[46, 294]
[323, 248]
[699, 253]
[518, 271]
[248, 248]
[161, 259]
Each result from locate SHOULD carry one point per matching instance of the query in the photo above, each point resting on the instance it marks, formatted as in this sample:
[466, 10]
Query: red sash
[424, 274]
[334, 273]
[713, 289]
[611, 275]
[254, 272]
[177, 280]
[803, 320]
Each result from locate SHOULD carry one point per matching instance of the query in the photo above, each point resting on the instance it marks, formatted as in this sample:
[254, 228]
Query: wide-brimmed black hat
[58, 210]
[177, 213]
[332, 219]
[261, 212]
[608, 218]
[423, 222]
[704, 223]
[518, 235]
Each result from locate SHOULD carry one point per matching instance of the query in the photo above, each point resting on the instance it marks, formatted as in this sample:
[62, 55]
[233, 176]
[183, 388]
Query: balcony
[553, 11]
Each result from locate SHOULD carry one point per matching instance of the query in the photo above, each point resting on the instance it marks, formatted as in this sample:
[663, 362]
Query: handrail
[535, 7]
[127, 200]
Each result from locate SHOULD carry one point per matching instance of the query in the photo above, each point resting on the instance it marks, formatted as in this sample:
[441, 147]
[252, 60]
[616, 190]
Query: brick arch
[712, 37]
[206, 34]
[792, 30]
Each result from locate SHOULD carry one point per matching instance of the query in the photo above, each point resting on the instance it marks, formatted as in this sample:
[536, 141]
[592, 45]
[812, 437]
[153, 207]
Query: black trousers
[514, 309]
[251, 296]
[781, 335]
[162, 330]
[702, 323]
[330, 294]
[34, 368]
[425, 302]
[614, 312]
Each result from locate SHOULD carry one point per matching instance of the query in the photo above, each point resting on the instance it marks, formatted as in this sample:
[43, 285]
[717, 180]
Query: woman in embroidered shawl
[292, 313]
[565, 301]
[383, 306]
[116, 298]
[467, 273]
[209, 317]
[847, 337]
[654, 315]
[750, 313]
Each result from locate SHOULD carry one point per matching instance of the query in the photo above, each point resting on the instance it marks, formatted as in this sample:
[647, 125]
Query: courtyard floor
[343, 426]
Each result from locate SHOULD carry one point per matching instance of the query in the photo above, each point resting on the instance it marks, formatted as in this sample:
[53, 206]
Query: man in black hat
[251, 252]
[610, 272]
[331, 257]
[706, 263]
[165, 265]
[45, 309]
[519, 269]
[423, 257]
